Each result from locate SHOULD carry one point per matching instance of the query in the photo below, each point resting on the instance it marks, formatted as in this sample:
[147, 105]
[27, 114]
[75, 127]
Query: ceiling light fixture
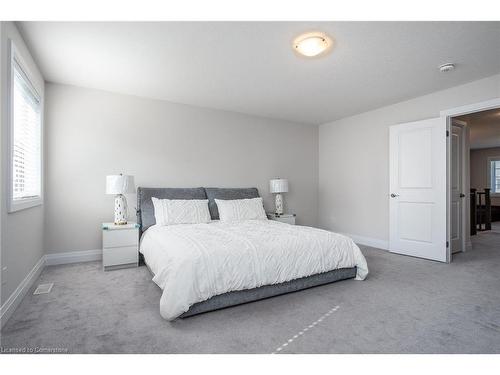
[312, 44]
[448, 67]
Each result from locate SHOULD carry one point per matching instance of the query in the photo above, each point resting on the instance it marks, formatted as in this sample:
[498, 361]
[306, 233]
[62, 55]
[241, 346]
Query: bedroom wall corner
[354, 159]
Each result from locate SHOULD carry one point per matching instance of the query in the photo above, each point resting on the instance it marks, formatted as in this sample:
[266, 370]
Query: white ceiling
[484, 128]
[249, 67]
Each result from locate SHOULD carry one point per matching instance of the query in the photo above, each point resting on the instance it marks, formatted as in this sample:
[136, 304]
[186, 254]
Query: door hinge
[447, 133]
[447, 244]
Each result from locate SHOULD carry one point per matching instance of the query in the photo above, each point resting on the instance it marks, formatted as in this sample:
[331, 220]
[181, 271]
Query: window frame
[15, 58]
[491, 159]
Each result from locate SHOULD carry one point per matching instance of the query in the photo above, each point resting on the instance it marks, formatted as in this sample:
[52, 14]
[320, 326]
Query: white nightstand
[283, 218]
[120, 245]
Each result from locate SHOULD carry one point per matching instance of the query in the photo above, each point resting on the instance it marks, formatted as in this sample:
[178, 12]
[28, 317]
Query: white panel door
[457, 193]
[418, 189]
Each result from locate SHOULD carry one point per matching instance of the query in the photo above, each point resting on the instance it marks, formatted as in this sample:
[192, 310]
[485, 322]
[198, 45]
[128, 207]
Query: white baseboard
[17, 296]
[369, 241]
[73, 257]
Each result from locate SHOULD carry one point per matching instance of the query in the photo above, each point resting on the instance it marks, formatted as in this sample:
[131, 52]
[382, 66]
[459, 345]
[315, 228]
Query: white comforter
[193, 262]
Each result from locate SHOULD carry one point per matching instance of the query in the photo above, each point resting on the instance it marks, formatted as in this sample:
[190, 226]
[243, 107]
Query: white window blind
[26, 151]
[495, 176]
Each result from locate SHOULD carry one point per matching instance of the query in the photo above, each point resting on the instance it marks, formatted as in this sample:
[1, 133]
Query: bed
[210, 266]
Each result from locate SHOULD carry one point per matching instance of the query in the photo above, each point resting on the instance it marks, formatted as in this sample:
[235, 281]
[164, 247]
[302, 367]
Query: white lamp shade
[278, 185]
[120, 184]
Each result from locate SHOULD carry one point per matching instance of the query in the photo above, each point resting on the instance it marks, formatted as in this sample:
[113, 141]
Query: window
[494, 174]
[26, 138]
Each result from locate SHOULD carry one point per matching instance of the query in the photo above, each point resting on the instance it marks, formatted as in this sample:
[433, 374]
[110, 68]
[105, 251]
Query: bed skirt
[249, 295]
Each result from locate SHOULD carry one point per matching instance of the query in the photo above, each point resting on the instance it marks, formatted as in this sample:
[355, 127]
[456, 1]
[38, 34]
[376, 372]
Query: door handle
[462, 195]
[394, 195]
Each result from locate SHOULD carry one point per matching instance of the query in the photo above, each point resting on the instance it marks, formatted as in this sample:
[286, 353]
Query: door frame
[448, 114]
[465, 185]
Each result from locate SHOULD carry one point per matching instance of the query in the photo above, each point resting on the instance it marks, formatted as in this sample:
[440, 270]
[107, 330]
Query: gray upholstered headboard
[145, 210]
[227, 194]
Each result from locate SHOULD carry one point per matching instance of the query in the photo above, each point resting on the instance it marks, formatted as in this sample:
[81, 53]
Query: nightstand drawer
[119, 238]
[119, 255]
[286, 220]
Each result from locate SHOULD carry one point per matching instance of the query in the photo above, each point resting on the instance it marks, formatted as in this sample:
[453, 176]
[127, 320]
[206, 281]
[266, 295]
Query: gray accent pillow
[227, 194]
[146, 212]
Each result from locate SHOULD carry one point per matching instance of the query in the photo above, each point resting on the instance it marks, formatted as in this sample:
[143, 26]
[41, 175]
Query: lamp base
[279, 204]
[121, 210]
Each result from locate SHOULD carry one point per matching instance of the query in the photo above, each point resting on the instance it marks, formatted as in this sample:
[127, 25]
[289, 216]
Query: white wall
[92, 133]
[2, 203]
[22, 231]
[484, 129]
[354, 158]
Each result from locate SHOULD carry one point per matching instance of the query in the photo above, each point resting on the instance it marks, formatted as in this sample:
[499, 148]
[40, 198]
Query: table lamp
[278, 186]
[119, 185]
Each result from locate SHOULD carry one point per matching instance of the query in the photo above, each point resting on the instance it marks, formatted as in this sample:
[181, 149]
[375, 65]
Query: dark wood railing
[480, 211]
[473, 213]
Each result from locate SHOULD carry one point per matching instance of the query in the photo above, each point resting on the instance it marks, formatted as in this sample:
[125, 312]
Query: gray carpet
[406, 305]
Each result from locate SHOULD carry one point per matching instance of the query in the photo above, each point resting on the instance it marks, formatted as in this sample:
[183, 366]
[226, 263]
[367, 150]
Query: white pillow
[181, 211]
[241, 209]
